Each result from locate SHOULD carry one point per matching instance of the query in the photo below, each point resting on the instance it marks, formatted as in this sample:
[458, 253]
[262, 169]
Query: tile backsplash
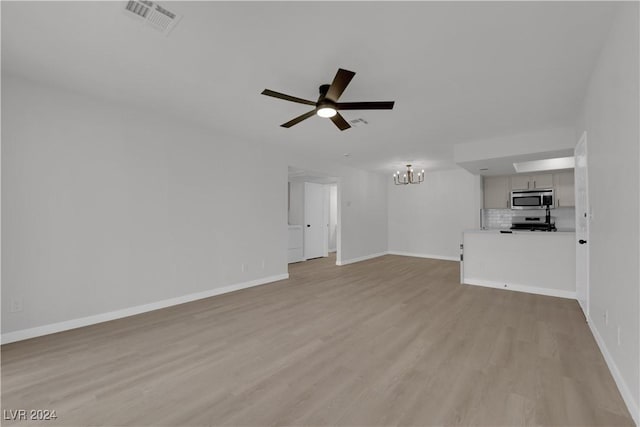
[501, 218]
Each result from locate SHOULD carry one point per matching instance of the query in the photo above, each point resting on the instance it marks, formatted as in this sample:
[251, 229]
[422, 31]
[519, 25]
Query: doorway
[313, 215]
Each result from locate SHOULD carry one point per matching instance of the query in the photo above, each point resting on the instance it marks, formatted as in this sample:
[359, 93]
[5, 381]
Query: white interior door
[315, 227]
[582, 224]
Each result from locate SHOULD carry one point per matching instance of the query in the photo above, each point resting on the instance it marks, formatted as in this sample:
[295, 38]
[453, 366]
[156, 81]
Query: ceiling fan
[327, 105]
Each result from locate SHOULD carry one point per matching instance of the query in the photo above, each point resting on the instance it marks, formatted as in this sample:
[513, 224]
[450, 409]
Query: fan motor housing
[323, 90]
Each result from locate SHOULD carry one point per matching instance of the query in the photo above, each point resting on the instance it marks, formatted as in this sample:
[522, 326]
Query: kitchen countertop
[497, 231]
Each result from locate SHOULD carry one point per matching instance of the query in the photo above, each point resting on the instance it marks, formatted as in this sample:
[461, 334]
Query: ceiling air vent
[358, 122]
[153, 14]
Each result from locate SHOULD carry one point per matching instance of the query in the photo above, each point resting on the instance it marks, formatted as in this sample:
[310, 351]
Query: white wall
[296, 203]
[428, 219]
[107, 207]
[610, 117]
[495, 156]
[538, 141]
[362, 209]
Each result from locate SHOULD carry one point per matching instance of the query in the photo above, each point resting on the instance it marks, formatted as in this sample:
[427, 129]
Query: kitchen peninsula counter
[502, 230]
[539, 262]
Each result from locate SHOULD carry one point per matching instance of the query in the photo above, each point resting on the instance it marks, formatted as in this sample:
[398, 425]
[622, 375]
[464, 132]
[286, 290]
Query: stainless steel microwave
[532, 199]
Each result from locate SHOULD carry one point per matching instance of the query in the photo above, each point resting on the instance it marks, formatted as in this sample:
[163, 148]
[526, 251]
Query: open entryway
[312, 215]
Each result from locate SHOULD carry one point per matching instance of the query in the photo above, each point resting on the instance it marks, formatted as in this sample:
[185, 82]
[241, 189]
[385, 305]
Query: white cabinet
[542, 181]
[531, 182]
[496, 192]
[520, 182]
[564, 186]
[497, 188]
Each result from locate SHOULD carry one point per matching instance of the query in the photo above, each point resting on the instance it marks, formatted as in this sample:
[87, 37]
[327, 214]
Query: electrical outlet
[15, 305]
[244, 268]
[619, 340]
[606, 317]
[263, 264]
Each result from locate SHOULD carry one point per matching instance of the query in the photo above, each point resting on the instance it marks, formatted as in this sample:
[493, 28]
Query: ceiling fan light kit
[408, 177]
[327, 105]
[326, 112]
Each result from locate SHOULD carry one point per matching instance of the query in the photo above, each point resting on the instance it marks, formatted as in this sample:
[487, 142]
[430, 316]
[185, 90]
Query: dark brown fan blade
[339, 84]
[287, 97]
[298, 119]
[381, 105]
[340, 122]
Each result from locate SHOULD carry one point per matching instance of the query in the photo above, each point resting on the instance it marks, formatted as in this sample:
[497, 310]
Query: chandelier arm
[409, 177]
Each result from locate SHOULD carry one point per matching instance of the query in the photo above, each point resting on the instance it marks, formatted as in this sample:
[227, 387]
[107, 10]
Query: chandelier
[408, 178]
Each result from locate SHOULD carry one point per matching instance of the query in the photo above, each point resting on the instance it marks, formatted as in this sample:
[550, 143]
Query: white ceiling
[457, 70]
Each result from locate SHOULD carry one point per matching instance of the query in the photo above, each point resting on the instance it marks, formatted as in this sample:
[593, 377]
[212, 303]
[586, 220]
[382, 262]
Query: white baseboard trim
[520, 288]
[131, 311]
[362, 258]
[442, 257]
[617, 377]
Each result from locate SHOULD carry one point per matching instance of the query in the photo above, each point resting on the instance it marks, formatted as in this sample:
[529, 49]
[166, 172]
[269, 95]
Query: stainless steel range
[533, 223]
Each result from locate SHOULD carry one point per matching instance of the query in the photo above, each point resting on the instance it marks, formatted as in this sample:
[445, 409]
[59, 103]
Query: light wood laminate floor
[389, 341]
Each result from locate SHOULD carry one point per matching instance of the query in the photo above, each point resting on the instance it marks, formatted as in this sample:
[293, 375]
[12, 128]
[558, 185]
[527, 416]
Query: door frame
[586, 213]
[300, 175]
[329, 187]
